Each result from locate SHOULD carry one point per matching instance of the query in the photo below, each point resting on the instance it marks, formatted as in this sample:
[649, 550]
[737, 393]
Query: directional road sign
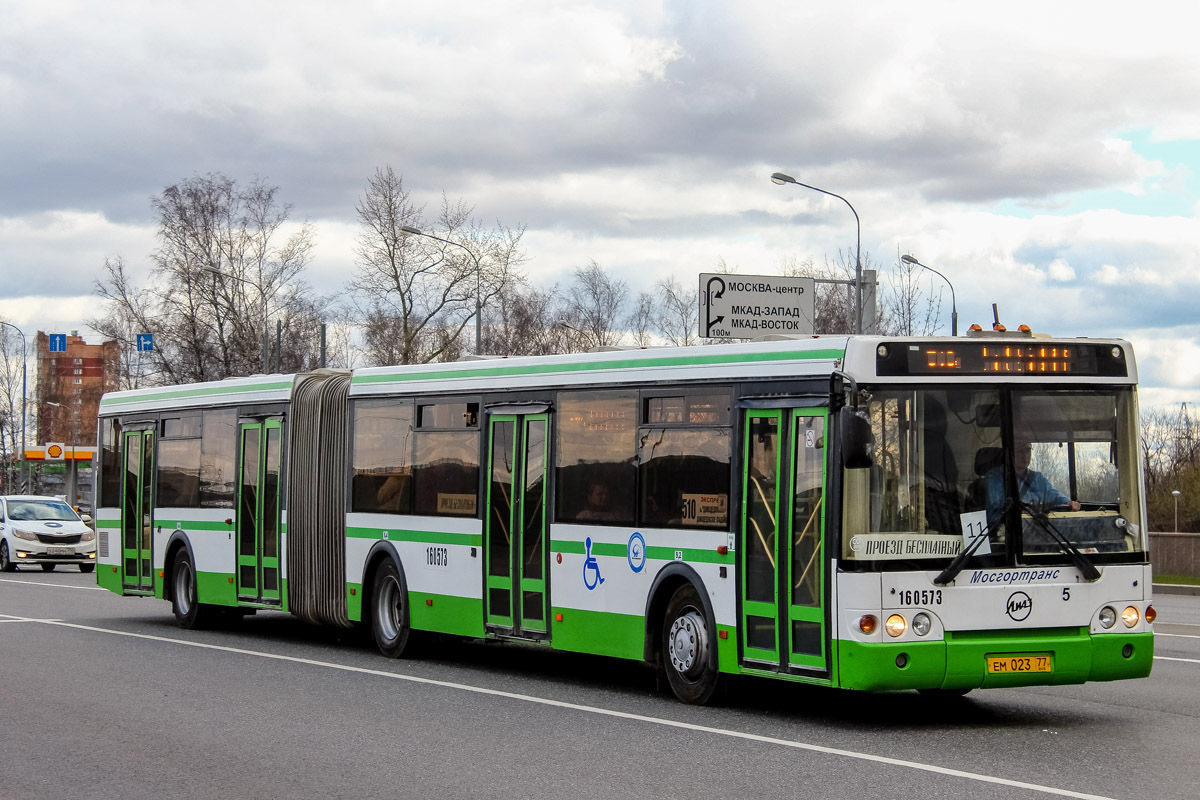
[58, 343]
[745, 306]
[145, 341]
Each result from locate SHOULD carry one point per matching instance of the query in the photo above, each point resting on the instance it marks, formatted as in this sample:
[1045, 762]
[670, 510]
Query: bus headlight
[1108, 617]
[922, 624]
[895, 625]
[1130, 616]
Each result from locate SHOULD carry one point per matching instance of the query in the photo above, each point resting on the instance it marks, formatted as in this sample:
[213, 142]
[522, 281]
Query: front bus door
[515, 528]
[782, 537]
[137, 511]
[258, 512]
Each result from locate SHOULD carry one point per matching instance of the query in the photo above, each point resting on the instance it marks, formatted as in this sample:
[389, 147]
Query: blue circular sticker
[637, 552]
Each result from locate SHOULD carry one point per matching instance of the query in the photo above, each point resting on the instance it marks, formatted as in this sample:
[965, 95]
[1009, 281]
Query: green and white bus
[871, 513]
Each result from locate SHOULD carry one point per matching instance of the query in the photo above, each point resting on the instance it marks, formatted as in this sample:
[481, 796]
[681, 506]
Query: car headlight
[26, 535]
[87, 537]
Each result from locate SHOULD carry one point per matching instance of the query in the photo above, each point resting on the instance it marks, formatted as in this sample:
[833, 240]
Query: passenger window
[381, 458]
[597, 442]
[218, 445]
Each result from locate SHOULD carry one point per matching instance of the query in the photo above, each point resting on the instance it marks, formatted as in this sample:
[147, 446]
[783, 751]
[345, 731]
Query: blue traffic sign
[145, 341]
[58, 343]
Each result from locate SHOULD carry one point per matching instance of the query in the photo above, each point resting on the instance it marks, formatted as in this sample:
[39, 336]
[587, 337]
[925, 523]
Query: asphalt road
[104, 697]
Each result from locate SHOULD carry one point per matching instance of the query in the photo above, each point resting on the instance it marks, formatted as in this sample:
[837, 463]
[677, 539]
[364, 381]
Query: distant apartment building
[69, 387]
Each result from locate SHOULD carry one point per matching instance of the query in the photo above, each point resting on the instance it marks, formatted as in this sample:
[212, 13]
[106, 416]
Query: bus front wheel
[389, 610]
[687, 648]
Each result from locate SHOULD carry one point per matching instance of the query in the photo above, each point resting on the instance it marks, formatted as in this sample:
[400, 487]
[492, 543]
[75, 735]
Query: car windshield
[1031, 467]
[41, 511]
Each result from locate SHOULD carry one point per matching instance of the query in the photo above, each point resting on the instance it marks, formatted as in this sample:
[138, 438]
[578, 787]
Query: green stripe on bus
[424, 537]
[626, 363]
[693, 554]
[150, 395]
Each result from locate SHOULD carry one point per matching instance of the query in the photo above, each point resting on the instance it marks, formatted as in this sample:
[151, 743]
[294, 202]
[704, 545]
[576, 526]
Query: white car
[44, 531]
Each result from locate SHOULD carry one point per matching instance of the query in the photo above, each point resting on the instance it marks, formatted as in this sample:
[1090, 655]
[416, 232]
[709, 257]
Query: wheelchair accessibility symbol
[591, 567]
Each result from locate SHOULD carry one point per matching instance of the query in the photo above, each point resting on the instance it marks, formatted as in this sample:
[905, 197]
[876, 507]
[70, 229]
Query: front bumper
[959, 661]
[37, 553]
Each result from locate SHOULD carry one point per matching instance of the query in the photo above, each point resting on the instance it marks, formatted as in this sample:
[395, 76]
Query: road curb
[1176, 588]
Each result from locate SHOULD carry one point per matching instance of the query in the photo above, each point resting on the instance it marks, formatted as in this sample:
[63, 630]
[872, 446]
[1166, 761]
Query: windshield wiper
[1090, 573]
[960, 561]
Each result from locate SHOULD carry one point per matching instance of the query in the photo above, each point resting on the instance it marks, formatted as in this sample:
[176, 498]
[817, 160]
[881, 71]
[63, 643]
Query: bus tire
[389, 610]
[687, 647]
[189, 613]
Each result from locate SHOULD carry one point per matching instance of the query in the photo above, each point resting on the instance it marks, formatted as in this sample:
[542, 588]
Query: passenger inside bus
[943, 503]
[1033, 487]
[599, 505]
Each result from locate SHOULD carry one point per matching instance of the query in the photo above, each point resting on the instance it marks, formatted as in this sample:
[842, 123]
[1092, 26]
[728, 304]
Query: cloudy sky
[1043, 156]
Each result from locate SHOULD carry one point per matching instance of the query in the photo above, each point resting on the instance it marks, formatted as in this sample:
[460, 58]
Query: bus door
[258, 511]
[137, 511]
[782, 537]
[515, 527]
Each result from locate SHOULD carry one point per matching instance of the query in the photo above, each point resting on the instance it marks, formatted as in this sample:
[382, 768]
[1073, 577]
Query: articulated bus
[870, 513]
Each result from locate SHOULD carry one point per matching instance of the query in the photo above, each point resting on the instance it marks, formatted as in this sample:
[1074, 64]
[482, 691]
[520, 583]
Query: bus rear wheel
[687, 648]
[389, 611]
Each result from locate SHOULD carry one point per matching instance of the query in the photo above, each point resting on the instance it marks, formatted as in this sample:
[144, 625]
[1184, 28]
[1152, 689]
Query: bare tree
[678, 318]
[12, 362]
[596, 306]
[424, 289]
[910, 311]
[225, 276]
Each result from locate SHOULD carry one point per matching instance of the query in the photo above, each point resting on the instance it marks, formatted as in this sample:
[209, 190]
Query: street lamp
[907, 259]
[475, 258]
[1176, 494]
[266, 358]
[24, 372]
[72, 478]
[780, 179]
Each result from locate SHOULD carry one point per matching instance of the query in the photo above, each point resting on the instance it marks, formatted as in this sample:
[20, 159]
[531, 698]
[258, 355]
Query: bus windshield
[1035, 468]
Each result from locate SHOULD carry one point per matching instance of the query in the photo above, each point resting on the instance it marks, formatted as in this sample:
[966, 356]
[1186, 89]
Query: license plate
[61, 551]
[1020, 662]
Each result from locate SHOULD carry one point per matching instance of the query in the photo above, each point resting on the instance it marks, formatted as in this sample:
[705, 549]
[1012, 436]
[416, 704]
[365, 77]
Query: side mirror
[855, 431]
[86, 518]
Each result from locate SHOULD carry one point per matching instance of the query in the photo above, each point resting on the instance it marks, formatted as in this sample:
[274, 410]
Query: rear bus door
[258, 511]
[782, 540]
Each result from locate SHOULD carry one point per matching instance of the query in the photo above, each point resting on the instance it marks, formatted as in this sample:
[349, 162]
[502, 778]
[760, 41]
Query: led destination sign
[1041, 359]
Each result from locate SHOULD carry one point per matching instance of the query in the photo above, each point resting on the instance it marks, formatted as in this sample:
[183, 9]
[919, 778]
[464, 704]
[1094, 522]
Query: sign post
[745, 306]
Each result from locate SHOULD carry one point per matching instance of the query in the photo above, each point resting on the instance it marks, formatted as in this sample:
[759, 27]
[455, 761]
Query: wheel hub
[687, 642]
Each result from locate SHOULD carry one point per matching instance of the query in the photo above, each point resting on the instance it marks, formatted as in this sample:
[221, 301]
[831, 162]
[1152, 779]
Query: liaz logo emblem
[1019, 606]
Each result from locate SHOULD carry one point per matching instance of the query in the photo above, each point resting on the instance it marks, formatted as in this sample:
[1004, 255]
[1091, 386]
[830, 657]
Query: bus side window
[597, 441]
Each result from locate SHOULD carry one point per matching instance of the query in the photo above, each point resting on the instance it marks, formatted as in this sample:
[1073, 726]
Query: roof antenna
[996, 326]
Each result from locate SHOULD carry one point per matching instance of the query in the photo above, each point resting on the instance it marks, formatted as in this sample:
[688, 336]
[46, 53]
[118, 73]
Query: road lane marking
[55, 585]
[1186, 660]
[670, 723]
[1179, 635]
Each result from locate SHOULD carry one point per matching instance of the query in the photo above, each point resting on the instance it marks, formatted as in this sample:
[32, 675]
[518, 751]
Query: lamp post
[478, 297]
[24, 373]
[780, 179]
[266, 358]
[1176, 494]
[907, 259]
